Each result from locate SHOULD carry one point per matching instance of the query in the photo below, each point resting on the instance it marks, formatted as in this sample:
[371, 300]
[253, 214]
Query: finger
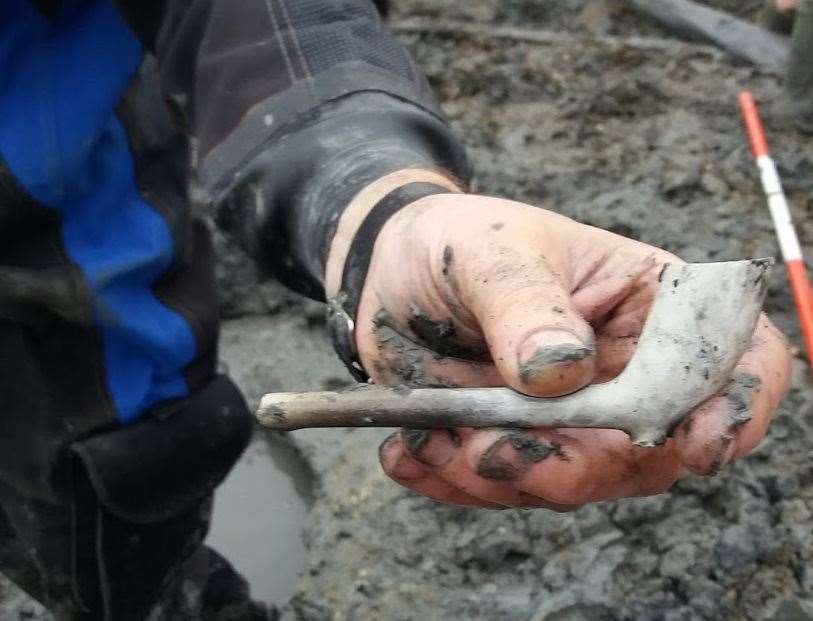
[406, 471]
[705, 437]
[441, 453]
[615, 295]
[608, 281]
[539, 342]
[771, 363]
[614, 353]
[563, 469]
[732, 424]
[570, 467]
[620, 330]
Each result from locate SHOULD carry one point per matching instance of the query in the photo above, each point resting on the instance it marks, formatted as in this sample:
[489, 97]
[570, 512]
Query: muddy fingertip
[396, 462]
[555, 362]
[512, 454]
[387, 449]
[434, 448]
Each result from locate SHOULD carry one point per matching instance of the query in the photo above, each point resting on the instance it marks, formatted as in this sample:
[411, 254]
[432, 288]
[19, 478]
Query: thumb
[539, 342]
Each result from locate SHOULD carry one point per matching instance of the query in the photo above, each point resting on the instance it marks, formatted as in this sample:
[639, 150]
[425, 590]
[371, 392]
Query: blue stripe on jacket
[60, 83]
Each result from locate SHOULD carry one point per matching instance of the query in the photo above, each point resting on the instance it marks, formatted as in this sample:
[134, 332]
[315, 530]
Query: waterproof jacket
[121, 124]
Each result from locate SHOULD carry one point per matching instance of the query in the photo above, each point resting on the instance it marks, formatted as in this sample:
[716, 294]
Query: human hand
[474, 291]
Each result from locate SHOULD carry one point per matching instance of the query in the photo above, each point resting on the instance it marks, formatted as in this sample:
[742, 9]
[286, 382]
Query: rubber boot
[799, 80]
[776, 21]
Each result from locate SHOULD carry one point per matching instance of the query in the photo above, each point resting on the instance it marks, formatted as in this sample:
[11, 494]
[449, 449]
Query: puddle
[259, 514]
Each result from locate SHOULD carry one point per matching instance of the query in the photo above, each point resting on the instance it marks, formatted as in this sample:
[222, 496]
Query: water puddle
[259, 515]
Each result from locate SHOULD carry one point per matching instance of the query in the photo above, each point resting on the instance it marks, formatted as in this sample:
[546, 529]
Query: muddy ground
[642, 141]
[648, 144]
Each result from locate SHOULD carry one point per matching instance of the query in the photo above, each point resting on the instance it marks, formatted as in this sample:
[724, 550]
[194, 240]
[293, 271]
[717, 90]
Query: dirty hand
[473, 291]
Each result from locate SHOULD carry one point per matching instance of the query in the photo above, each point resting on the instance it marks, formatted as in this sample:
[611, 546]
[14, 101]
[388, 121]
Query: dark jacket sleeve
[293, 106]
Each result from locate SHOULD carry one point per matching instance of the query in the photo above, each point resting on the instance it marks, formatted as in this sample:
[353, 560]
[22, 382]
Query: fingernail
[513, 454]
[385, 450]
[431, 447]
[741, 398]
[548, 347]
[728, 447]
[406, 468]
[396, 461]
[731, 449]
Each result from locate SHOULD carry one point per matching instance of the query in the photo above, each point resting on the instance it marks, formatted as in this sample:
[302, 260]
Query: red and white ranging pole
[782, 222]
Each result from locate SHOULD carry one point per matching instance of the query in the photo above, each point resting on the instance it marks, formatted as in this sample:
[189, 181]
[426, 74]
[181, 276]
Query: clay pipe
[701, 322]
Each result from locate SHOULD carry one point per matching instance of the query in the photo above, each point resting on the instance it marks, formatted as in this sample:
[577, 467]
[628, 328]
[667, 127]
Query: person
[305, 130]
[796, 17]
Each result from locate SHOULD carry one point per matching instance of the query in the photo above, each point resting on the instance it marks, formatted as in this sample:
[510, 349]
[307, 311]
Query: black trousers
[125, 540]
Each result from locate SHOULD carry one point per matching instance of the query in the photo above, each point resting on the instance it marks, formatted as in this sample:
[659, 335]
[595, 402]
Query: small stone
[677, 561]
[794, 610]
[714, 184]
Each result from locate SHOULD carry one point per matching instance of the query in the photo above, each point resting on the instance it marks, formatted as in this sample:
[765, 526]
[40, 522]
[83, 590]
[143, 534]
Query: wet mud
[440, 336]
[258, 515]
[547, 356]
[646, 144]
[513, 454]
[741, 397]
